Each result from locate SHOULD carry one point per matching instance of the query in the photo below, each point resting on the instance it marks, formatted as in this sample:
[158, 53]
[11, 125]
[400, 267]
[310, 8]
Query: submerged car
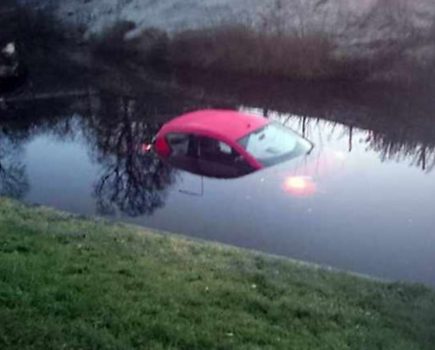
[227, 144]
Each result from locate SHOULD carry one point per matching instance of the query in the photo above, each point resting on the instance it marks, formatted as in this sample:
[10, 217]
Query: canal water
[371, 207]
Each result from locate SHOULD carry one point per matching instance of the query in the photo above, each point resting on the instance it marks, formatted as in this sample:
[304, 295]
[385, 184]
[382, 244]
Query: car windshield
[274, 144]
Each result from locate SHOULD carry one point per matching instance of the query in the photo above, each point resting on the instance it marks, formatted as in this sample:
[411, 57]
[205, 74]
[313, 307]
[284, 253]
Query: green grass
[72, 283]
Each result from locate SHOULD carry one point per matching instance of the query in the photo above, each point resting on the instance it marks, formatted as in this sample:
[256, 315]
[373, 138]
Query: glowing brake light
[302, 186]
[146, 148]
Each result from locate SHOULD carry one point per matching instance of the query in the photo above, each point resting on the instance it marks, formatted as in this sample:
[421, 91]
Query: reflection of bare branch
[416, 153]
[398, 142]
[133, 183]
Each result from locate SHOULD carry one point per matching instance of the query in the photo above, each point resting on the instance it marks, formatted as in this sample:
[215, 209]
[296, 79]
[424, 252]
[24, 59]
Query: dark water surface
[372, 211]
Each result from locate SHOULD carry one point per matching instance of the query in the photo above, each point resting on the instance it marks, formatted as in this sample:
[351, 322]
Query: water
[371, 211]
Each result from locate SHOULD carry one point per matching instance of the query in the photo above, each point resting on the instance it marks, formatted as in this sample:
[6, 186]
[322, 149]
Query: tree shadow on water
[132, 182]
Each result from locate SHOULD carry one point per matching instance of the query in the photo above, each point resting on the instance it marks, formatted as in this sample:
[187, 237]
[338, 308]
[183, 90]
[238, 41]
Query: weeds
[111, 41]
[147, 46]
[241, 49]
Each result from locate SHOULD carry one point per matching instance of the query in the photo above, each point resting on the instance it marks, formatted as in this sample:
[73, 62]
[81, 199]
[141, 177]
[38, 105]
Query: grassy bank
[70, 283]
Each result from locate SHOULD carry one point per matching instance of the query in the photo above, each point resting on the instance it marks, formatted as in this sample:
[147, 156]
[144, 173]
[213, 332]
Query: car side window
[206, 156]
[215, 151]
[182, 145]
[219, 159]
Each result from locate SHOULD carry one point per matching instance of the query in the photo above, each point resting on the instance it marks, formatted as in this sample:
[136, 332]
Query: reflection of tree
[418, 154]
[132, 182]
[13, 180]
[394, 142]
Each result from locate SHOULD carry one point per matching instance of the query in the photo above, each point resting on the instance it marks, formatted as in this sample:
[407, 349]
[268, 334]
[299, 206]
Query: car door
[220, 160]
[183, 151]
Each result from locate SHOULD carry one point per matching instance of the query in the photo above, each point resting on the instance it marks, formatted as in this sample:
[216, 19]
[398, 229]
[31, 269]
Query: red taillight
[302, 186]
[146, 148]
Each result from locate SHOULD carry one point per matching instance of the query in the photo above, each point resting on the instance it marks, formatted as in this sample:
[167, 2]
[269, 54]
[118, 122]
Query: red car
[227, 144]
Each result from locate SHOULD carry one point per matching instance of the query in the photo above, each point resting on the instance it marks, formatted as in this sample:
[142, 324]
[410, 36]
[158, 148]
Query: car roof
[223, 124]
